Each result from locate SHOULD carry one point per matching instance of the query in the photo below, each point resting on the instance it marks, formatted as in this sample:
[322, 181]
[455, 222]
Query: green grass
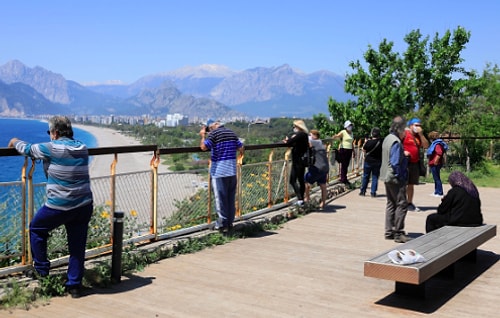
[485, 177]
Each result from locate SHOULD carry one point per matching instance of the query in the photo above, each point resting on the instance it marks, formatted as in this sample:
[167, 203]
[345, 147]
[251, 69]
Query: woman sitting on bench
[461, 206]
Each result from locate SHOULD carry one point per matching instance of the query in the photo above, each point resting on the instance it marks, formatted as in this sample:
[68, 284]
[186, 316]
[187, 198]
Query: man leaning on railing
[69, 198]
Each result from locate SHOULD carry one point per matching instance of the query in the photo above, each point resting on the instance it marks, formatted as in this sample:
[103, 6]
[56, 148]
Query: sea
[32, 131]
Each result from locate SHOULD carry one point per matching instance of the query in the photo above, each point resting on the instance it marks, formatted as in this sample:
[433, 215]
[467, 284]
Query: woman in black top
[461, 206]
[299, 142]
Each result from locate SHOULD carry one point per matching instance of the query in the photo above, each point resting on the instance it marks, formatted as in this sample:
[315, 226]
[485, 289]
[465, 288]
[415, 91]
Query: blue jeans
[76, 222]
[436, 174]
[373, 170]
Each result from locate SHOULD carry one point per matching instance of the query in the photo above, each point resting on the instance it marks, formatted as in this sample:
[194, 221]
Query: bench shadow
[439, 290]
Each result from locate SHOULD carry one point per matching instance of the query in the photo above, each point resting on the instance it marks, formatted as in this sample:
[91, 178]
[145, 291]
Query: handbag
[421, 166]
[336, 155]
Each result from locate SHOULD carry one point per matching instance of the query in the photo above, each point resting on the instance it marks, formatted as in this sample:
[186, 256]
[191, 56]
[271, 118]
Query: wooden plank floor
[312, 267]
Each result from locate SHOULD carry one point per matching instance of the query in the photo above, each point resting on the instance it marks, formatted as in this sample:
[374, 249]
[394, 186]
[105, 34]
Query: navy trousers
[224, 189]
[76, 222]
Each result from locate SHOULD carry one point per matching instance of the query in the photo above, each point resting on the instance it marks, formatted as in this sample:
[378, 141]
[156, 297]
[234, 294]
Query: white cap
[347, 123]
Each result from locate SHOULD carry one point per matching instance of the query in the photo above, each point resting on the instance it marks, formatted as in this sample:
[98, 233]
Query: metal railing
[157, 206]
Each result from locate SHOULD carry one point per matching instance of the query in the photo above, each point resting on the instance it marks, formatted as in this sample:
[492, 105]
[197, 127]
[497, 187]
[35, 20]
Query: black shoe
[413, 208]
[362, 194]
[74, 291]
[373, 195]
[33, 274]
[389, 236]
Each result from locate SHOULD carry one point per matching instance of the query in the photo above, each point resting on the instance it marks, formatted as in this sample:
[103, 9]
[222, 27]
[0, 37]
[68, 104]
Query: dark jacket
[300, 142]
[373, 148]
[461, 209]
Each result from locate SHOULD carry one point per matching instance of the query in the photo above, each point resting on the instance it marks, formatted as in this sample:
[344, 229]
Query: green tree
[425, 80]
[481, 119]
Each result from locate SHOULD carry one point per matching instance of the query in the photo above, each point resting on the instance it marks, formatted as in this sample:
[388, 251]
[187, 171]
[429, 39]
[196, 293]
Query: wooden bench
[441, 249]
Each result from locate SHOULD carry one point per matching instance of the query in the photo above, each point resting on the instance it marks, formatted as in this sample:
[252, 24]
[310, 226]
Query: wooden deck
[312, 267]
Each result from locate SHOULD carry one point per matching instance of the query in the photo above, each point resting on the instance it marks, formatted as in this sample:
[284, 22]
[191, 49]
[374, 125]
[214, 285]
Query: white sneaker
[437, 195]
[299, 202]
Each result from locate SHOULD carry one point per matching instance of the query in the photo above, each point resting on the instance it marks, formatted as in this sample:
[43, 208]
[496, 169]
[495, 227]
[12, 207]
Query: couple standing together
[302, 182]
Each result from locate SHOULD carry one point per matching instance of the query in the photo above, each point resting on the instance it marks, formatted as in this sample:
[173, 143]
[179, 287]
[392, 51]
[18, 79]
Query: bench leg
[471, 257]
[448, 272]
[410, 289]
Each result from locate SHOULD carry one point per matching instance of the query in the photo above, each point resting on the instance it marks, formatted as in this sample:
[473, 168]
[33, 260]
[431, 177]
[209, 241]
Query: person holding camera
[413, 143]
[373, 161]
[224, 145]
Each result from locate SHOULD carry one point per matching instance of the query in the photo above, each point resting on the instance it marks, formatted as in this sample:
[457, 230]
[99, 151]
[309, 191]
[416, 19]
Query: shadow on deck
[311, 267]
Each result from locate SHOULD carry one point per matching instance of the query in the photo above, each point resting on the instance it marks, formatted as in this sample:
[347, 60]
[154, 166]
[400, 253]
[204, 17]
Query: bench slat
[440, 248]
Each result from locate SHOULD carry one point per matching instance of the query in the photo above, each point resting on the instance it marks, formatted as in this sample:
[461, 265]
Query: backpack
[309, 157]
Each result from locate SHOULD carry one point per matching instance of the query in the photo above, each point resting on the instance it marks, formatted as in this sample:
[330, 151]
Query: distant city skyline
[97, 41]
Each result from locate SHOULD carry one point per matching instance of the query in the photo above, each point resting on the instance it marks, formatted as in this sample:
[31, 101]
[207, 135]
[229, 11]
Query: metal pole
[116, 259]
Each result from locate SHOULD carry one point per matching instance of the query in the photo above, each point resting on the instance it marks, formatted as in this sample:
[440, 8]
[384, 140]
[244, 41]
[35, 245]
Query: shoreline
[127, 162]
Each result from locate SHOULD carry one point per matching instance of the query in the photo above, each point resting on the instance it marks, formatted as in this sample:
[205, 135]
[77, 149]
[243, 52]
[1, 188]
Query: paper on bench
[405, 257]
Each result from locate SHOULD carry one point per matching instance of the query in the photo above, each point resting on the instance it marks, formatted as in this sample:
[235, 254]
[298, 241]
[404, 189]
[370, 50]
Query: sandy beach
[129, 162]
[133, 192]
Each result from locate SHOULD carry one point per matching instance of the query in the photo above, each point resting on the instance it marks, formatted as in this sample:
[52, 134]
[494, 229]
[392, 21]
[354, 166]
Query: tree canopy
[425, 81]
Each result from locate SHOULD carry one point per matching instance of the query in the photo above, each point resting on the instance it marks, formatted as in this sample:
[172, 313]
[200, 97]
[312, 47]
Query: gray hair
[398, 125]
[62, 125]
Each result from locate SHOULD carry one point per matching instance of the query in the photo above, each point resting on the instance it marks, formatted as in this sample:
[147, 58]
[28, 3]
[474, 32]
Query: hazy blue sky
[101, 40]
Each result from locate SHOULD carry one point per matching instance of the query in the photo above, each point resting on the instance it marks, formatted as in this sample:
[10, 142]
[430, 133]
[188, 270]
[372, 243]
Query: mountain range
[198, 92]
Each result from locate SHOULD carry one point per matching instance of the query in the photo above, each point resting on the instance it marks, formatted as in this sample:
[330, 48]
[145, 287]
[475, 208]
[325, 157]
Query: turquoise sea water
[33, 131]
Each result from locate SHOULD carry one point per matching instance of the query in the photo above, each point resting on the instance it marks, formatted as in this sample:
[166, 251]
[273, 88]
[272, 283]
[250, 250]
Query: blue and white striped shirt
[223, 144]
[66, 165]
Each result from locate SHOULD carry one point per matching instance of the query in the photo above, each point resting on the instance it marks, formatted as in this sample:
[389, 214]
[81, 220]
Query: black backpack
[309, 157]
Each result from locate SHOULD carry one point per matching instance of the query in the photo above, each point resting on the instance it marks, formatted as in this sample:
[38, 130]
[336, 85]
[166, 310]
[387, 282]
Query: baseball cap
[414, 121]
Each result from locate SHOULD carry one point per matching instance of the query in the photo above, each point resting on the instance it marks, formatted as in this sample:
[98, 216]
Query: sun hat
[347, 124]
[414, 121]
[301, 125]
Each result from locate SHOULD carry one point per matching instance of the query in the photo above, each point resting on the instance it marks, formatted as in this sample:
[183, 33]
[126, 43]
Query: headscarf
[458, 179]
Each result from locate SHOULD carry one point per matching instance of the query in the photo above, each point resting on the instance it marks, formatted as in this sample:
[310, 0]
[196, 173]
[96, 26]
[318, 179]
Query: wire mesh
[11, 233]
[171, 200]
[183, 199]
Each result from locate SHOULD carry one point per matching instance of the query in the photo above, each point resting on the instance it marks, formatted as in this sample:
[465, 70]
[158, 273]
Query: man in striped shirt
[69, 198]
[224, 145]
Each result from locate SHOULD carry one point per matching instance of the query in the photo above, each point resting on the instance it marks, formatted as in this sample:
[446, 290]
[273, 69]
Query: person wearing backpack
[436, 153]
[373, 161]
[318, 172]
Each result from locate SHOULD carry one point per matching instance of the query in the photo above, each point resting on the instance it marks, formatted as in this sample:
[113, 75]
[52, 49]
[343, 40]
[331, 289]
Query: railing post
[116, 259]
[155, 161]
